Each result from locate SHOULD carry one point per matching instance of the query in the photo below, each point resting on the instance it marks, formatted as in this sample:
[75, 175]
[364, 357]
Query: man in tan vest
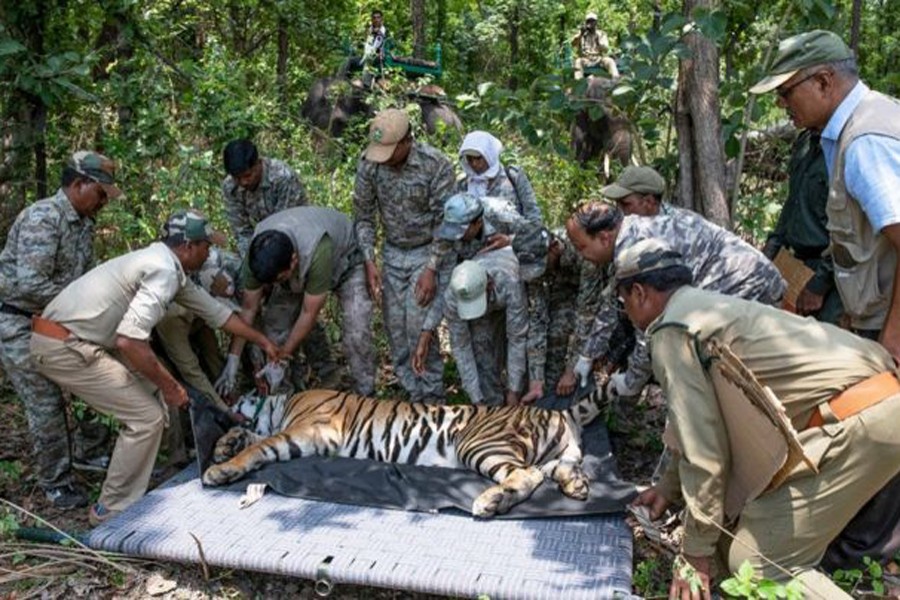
[816, 79]
[827, 398]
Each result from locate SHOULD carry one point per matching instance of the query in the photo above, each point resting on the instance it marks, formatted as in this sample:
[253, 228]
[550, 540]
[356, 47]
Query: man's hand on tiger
[567, 382]
[513, 398]
[535, 392]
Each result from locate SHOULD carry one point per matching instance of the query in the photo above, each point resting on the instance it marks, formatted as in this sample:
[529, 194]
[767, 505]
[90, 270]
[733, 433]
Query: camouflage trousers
[488, 339]
[282, 310]
[403, 320]
[551, 324]
[43, 400]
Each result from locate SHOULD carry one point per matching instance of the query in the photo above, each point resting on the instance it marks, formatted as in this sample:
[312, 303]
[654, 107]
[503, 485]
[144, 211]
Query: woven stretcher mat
[321, 536]
[445, 553]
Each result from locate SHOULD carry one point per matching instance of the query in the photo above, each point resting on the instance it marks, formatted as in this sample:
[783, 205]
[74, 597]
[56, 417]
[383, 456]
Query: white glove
[583, 368]
[225, 383]
[274, 374]
[620, 385]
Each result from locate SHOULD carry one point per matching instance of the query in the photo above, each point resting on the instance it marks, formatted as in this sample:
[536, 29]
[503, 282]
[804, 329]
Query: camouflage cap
[468, 283]
[387, 129]
[191, 226]
[459, 211]
[96, 167]
[801, 51]
[645, 256]
[635, 180]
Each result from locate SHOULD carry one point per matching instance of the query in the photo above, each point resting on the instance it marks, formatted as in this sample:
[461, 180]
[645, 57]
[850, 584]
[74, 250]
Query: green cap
[96, 167]
[645, 256]
[190, 226]
[468, 283]
[800, 51]
[635, 180]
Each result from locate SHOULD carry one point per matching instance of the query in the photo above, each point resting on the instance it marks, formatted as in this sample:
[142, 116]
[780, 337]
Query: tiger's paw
[493, 501]
[229, 445]
[221, 474]
[577, 488]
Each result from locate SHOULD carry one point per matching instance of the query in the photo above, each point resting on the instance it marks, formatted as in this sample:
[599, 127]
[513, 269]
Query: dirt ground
[32, 570]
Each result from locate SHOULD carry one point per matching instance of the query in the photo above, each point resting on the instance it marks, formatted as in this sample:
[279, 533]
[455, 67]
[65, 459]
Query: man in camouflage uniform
[639, 190]
[49, 245]
[485, 303]
[801, 229]
[591, 47]
[467, 230]
[254, 189]
[311, 251]
[719, 260]
[403, 183]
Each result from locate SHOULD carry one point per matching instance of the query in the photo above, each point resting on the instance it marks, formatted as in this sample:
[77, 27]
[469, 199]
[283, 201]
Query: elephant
[609, 135]
[330, 115]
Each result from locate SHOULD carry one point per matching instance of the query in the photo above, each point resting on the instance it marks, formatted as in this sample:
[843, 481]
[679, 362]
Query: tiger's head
[263, 414]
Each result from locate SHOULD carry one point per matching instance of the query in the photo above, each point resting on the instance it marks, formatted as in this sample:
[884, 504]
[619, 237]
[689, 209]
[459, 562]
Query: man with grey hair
[815, 77]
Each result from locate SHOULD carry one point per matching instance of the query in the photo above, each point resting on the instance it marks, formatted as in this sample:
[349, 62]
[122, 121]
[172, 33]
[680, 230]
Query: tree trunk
[855, 24]
[684, 195]
[699, 77]
[513, 46]
[282, 61]
[417, 12]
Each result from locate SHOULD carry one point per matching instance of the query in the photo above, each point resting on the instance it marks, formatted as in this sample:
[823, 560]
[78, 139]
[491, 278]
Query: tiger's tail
[588, 408]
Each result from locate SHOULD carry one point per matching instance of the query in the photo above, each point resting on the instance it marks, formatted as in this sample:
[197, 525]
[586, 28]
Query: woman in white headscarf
[486, 176]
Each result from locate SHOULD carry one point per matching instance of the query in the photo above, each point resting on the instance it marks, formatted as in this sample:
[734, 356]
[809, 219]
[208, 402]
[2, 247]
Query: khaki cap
[387, 129]
[635, 180]
[800, 51]
[591, 16]
[645, 256]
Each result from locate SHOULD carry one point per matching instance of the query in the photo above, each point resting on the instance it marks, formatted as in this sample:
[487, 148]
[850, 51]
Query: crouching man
[304, 253]
[92, 339]
[839, 392]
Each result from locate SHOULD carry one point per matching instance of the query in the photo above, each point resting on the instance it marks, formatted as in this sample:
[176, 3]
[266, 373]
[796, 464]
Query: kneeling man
[839, 391]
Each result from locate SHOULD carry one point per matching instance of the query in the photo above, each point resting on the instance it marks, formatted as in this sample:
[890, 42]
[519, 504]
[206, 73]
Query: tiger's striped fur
[515, 446]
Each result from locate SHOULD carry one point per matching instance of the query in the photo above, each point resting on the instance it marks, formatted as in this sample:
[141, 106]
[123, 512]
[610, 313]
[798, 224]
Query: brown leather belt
[49, 328]
[858, 397]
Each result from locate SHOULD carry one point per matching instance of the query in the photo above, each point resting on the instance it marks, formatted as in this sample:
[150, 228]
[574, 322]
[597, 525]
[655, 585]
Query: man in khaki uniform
[102, 321]
[839, 391]
[816, 78]
[591, 47]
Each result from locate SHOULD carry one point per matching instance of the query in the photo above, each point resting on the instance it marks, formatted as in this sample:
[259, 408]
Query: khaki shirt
[803, 361]
[129, 295]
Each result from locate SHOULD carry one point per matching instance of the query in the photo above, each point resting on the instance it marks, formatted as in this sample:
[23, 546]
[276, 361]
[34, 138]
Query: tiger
[514, 446]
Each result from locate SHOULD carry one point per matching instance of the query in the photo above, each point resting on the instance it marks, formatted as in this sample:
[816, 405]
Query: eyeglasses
[785, 92]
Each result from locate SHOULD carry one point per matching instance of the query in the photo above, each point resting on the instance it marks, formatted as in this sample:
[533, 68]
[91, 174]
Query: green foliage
[9, 524]
[871, 576]
[647, 580]
[10, 472]
[745, 584]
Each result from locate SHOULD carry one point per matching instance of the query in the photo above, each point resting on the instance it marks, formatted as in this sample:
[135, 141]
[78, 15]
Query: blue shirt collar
[840, 116]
